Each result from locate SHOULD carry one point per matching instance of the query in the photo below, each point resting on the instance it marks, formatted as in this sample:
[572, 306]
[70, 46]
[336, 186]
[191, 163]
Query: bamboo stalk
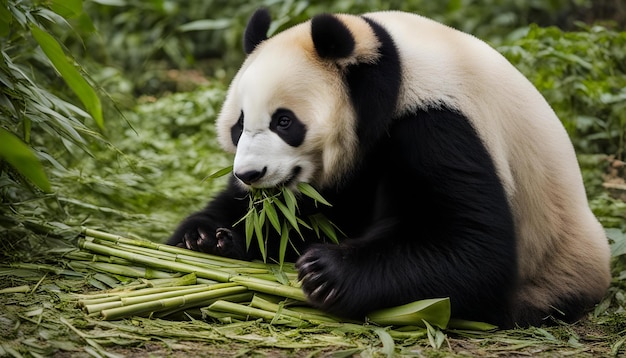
[155, 296]
[237, 298]
[247, 311]
[88, 256]
[266, 305]
[270, 287]
[217, 275]
[186, 301]
[141, 292]
[168, 248]
[224, 317]
[122, 270]
[152, 296]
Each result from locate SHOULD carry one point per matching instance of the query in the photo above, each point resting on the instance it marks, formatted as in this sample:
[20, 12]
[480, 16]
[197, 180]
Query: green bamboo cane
[186, 301]
[237, 298]
[217, 275]
[152, 296]
[168, 248]
[122, 270]
[241, 310]
[270, 287]
[317, 318]
[118, 296]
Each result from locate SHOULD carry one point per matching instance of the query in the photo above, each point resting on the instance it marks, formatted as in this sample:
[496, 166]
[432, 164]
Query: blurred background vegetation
[107, 106]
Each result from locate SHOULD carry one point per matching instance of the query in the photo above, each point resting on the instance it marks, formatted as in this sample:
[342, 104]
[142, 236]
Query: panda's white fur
[561, 248]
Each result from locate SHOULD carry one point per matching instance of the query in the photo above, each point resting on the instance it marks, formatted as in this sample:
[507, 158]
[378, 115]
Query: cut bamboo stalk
[217, 275]
[186, 301]
[270, 287]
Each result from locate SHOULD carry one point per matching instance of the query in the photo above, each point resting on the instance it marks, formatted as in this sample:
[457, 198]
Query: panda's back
[534, 157]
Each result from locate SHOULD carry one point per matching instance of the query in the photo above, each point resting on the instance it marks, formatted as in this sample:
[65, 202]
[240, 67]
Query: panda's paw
[221, 242]
[320, 271]
[199, 239]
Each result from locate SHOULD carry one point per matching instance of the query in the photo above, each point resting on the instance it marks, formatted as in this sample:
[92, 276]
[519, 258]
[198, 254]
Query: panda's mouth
[292, 178]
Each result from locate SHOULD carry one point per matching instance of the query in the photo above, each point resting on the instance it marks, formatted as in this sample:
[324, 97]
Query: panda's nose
[251, 176]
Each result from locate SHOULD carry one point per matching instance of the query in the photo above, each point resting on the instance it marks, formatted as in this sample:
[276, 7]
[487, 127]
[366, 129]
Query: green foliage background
[116, 131]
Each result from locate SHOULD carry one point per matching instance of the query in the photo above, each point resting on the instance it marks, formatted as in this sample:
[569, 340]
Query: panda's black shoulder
[374, 87]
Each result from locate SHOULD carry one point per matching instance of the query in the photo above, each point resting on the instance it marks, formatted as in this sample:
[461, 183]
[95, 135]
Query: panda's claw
[330, 297]
[319, 272]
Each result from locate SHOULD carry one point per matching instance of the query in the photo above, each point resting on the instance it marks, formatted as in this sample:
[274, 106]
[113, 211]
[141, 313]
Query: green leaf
[258, 221]
[389, 346]
[70, 74]
[290, 200]
[284, 239]
[220, 173]
[435, 336]
[67, 8]
[470, 325]
[326, 226]
[206, 24]
[5, 20]
[272, 215]
[21, 157]
[618, 246]
[289, 215]
[249, 226]
[435, 311]
[308, 190]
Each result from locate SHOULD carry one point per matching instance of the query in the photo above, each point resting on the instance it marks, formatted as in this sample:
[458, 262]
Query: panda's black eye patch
[236, 130]
[288, 127]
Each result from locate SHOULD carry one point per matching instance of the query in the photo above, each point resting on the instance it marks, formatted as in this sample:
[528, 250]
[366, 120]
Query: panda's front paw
[199, 239]
[320, 271]
[220, 241]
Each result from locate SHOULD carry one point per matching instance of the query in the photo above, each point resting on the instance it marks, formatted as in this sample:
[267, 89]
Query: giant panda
[448, 172]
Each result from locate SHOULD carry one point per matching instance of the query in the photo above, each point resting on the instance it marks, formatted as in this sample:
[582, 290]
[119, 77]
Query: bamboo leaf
[289, 215]
[206, 24]
[272, 215]
[70, 74]
[67, 8]
[327, 227]
[389, 346]
[308, 190]
[21, 157]
[258, 230]
[435, 311]
[284, 239]
[249, 226]
[303, 223]
[5, 20]
[435, 336]
[470, 325]
[290, 200]
[220, 173]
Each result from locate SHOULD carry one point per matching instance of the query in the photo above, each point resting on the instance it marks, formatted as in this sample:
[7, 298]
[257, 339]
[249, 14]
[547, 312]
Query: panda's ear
[256, 30]
[331, 37]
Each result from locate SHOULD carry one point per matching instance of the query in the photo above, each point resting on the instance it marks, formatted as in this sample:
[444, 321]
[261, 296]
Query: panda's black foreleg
[211, 230]
[382, 270]
[356, 276]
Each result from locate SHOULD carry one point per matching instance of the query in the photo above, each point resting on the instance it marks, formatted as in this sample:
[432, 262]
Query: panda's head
[287, 115]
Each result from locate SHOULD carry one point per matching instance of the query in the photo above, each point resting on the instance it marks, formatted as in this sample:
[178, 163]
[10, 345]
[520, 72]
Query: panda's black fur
[423, 206]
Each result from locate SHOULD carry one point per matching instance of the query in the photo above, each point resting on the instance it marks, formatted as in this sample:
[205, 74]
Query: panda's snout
[251, 176]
